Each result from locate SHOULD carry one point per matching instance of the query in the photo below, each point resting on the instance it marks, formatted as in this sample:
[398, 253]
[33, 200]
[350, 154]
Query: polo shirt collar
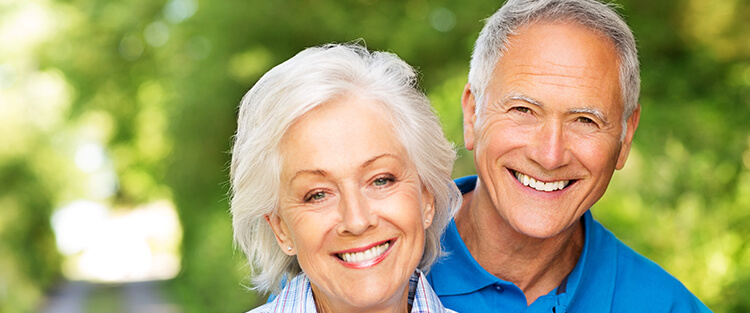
[455, 279]
[591, 284]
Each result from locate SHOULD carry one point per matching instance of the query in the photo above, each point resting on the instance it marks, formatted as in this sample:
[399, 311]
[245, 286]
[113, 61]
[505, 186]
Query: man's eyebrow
[591, 111]
[521, 97]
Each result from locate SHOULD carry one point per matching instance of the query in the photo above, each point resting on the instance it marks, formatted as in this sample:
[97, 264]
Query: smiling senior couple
[341, 188]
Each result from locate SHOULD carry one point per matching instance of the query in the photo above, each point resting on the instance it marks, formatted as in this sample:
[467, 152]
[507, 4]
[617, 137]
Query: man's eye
[522, 109]
[585, 120]
[315, 196]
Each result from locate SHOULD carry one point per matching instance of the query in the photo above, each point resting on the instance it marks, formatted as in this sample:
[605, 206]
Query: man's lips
[535, 184]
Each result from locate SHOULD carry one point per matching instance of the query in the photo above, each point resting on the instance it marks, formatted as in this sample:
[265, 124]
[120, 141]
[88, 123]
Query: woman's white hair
[314, 77]
[515, 14]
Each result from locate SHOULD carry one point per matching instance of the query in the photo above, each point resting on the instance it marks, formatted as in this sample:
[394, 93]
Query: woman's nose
[356, 214]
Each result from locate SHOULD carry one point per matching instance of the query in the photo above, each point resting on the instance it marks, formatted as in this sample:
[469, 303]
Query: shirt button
[499, 288]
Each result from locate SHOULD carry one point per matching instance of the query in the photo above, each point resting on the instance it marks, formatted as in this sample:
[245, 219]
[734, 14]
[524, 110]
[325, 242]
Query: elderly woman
[341, 184]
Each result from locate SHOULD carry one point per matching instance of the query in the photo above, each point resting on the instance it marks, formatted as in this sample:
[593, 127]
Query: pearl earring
[289, 248]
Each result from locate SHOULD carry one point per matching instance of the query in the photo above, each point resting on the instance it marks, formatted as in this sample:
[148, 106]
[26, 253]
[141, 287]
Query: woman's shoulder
[266, 308]
[296, 296]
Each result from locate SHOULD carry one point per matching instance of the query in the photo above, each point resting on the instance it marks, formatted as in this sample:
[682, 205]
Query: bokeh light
[106, 245]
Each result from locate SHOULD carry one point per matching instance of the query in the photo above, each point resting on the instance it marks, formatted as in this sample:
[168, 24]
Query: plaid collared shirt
[297, 297]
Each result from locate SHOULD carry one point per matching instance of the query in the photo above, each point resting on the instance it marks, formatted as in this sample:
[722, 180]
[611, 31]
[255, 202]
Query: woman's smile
[370, 256]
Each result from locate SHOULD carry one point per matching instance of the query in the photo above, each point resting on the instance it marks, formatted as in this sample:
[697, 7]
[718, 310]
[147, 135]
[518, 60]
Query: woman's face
[352, 206]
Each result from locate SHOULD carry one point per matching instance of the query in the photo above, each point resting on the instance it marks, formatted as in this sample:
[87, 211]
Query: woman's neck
[397, 304]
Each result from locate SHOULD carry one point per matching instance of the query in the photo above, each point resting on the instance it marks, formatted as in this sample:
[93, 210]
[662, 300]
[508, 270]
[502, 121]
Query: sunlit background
[106, 245]
[116, 119]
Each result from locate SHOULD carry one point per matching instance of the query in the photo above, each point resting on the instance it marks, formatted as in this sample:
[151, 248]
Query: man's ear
[627, 142]
[281, 231]
[469, 106]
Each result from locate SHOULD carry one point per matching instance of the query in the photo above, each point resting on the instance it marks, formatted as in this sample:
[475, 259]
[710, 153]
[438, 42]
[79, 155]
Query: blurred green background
[128, 103]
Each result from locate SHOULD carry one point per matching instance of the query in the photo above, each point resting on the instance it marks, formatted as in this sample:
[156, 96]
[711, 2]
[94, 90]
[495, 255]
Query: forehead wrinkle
[553, 69]
[569, 80]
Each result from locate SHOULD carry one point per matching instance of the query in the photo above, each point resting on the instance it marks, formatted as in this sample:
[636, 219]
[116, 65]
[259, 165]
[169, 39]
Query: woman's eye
[383, 181]
[315, 196]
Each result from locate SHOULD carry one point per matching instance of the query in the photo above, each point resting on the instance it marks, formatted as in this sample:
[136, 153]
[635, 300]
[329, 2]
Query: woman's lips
[366, 256]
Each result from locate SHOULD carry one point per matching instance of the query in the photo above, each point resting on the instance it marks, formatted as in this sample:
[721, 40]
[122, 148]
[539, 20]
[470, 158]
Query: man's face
[547, 139]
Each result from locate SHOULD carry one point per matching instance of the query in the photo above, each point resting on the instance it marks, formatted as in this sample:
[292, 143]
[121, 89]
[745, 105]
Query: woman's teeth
[541, 186]
[367, 255]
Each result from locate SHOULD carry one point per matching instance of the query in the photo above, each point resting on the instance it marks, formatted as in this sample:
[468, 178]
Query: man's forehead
[547, 60]
[571, 73]
[559, 45]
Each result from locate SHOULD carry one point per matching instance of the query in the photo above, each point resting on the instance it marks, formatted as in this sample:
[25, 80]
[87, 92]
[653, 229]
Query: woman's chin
[365, 297]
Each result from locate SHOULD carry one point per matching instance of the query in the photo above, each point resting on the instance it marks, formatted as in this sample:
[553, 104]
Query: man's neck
[535, 265]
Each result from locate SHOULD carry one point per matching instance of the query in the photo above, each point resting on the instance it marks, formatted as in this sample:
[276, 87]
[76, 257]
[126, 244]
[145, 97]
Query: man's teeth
[541, 186]
[370, 254]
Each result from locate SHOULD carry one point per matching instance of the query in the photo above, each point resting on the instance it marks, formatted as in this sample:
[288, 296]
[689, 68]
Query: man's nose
[549, 148]
[356, 214]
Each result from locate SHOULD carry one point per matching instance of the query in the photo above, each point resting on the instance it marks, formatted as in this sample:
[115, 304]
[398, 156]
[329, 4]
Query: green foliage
[28, 259]
[157, 83]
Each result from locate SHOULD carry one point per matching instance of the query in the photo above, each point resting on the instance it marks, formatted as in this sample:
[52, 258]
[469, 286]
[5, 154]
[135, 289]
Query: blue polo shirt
[608, 277]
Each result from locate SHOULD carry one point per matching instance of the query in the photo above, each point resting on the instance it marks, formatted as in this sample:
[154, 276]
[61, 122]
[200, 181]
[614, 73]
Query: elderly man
[549, 112]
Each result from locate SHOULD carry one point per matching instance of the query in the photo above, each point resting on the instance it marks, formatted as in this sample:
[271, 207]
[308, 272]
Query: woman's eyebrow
[370, 161]
[323, 173]
[310, 172]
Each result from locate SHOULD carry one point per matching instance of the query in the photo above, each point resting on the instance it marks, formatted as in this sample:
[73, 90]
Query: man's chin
[542, 226]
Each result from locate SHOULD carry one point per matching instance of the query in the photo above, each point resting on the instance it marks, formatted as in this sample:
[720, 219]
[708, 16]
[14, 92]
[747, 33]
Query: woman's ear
[281, 231]
[428, 207]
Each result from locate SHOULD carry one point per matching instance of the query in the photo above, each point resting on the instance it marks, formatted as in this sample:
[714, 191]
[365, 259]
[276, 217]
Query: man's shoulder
[651, 286]
[466, 184]
[645, 275]
[642, 283]
[634, 266]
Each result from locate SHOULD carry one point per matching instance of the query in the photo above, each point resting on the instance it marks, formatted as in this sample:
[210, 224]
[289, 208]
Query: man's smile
[529, 181]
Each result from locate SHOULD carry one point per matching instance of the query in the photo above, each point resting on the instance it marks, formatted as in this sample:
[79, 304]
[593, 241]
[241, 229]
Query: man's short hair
[515, 14]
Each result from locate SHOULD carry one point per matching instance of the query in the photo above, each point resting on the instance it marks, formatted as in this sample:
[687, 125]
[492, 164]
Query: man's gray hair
[515, 14]
[312, 78]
